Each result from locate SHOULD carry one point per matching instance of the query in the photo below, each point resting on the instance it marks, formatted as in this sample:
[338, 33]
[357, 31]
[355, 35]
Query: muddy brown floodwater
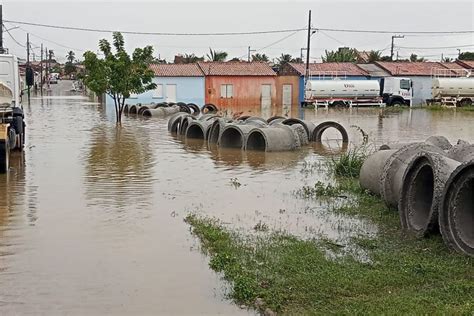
[91, 216]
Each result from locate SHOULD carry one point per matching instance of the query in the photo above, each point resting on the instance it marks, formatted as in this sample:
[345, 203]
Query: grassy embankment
[281, 273]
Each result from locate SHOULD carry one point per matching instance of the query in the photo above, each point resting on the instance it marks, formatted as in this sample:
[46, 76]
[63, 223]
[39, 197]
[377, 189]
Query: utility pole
[1, 30]
[306, 74]
[28, 67]
[41, 69]
[459, 52]
[393, 41]
[250, 50]
[47, 67]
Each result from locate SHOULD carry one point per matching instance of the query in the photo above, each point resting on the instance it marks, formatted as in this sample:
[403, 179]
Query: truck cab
[12, 126]
[396, 91]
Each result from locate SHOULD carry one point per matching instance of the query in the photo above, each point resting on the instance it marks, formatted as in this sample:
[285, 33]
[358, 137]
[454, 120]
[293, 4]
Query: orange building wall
[294, 82]
[247, 93]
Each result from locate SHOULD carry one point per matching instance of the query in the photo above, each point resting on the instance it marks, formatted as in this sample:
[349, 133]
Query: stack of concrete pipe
[161, 109]
[431, 184]
[252, 133]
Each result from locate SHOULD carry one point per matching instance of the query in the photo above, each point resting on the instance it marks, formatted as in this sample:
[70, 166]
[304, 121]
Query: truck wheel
[338, 104]
[396, 103]
[465, 102]
[4, 156]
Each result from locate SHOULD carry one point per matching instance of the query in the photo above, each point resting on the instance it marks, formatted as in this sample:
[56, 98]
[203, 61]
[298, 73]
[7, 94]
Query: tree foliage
[69, 67]
[191, 58]
[215, 55]
[260, 57]
[343, 54]
[118, 74]
[414, 58]
[466, 56]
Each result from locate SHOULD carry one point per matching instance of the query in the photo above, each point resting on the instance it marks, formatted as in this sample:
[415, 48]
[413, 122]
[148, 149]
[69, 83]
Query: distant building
[174, 83]
[240, 86]
[293, 73]
[421, 74]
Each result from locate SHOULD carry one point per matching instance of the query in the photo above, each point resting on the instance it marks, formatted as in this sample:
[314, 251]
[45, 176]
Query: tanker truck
[452, 91]
[12, 126]
[390, 91]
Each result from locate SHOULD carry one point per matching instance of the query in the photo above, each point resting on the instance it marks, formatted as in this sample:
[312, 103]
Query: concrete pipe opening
[256, 141]
[321, 128]
[184, 125]
[231, 138]
[133, 109]
[214, 132]
[456, 216]
[417, 197]
[142, 109]
[195, 131]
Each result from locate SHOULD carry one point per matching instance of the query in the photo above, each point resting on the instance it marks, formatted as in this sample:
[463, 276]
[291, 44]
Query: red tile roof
[236, 68]
[469, 64]
[348, 69]
[176, 70]
[418, 68]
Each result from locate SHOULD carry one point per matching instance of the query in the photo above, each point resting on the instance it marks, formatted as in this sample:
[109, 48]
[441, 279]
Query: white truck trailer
[452, 91]
[390, 91]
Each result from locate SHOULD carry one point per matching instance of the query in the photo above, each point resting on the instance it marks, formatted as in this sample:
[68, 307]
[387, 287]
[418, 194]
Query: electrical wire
[392, 32]
[13, 38]
[440, 47]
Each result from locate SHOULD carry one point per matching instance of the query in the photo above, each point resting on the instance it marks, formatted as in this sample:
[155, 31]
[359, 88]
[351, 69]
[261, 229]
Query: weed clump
[349, 163]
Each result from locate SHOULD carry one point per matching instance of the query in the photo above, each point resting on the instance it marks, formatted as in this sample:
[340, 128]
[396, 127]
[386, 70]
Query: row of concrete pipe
[431, 184]
[166, 109]
[252, 133]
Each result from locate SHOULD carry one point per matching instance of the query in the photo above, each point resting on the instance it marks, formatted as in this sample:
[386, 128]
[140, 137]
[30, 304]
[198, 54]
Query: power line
[238, 33]
[50, 41]
[274, 43]
[18, 43]
[391, 32]
[152, 33]
[440, 47]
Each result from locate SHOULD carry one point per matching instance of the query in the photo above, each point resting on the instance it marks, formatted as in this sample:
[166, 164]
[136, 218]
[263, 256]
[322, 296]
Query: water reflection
[12, 189]
[119, 168]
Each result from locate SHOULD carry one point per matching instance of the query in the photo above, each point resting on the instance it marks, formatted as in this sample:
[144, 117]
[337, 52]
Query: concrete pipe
[461, 152]
[125, 109]
[196, 110]
[174, 122]
[134, 109]
[391, 178]
[215, 131]
[300, 134]
[275, 138]
[456, 214]
[235, 136]
[371, 170]
[271, 119]
[392, 146]
[439, 141]
[160, 112]
[209, 116]
[319, 130]
[308, 126]
[421, 193]
[256, 122]
[209, 108]
[142, 109]
[185, 121]
[184, 108]
[199, 129]
[276, 121]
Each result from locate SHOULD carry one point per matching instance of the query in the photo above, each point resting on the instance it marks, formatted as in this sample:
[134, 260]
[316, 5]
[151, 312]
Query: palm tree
[260, 57]
[216, 55]
[374, 55]
[343, 54]
[191, 58]
[71, 56]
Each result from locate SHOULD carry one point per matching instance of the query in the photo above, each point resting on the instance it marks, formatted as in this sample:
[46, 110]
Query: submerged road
[91, 215]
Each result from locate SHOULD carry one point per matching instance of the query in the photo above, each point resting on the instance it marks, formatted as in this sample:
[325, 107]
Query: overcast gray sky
[242, 16]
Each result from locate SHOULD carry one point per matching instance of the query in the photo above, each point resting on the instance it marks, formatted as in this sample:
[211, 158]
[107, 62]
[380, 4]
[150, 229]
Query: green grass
[439, 108]
[349, 163]
[295, 277]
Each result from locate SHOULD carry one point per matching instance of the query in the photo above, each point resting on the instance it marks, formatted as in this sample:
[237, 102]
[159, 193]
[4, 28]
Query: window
[405, 84]
[158, 92]
[227, 91]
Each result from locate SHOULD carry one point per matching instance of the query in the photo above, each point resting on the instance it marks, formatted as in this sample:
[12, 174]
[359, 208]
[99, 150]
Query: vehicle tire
[465, 102]
[4, 156]
[396, 103]
[338, 105]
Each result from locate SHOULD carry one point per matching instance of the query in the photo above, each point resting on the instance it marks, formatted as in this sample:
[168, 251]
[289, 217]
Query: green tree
[260, 57]
[414, 58]
[69, 67]
[283, 59]
[374, 55]
[466, 56]
[119, 74]
[343, 54]
[215, 55]
[71, 57]
[191, 58]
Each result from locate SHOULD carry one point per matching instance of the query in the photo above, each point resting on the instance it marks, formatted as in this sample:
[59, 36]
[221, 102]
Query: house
[240, 86]
[468, 64]
[290, 73]
[174, 83]
[421, 75]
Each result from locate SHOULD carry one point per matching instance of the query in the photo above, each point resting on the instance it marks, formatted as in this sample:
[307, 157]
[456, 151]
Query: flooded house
[241, 86]
[293, 74]
[421, 74]
[174, 83]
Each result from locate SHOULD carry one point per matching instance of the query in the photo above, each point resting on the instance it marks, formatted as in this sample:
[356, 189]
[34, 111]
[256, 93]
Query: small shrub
[349, 163]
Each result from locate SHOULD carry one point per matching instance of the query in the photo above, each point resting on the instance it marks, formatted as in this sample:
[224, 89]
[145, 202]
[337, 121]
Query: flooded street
[91, 215]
